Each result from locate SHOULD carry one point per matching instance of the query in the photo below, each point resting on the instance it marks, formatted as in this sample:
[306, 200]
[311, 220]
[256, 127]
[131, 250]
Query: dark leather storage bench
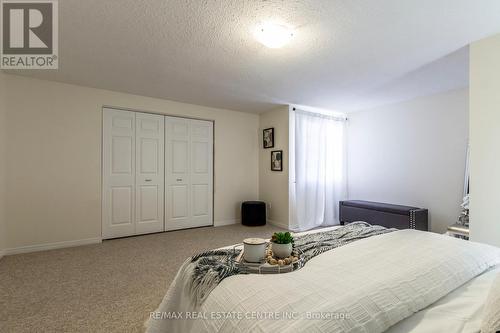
[387, 215]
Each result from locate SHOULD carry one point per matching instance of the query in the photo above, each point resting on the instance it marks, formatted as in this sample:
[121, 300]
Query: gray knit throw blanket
[211, 267]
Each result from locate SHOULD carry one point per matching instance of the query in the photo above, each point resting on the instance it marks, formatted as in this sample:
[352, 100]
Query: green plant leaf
[282, 238]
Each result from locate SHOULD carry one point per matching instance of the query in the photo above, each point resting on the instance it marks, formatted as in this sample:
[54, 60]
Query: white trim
[226, 222]
[160, 113]
[2, 253]
[51, 246]
[279, 224]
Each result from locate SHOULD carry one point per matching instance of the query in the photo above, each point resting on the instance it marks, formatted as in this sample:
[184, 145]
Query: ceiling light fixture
[273, 35]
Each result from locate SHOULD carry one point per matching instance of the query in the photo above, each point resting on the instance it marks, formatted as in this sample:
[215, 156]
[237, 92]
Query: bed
[461, 311]
[403, 281]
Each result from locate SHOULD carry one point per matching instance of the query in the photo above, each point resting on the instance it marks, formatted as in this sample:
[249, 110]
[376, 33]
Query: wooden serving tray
[264, 267]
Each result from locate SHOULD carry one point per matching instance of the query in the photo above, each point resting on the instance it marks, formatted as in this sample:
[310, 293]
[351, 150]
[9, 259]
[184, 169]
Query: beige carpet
[108, 287]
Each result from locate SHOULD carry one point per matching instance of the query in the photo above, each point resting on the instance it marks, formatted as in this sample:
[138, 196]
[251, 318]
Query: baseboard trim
[226, 222]
[51, 246]
[279, 224]
[2, 253]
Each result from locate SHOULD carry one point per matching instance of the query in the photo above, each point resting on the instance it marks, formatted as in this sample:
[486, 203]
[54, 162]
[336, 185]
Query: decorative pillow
[491, 319]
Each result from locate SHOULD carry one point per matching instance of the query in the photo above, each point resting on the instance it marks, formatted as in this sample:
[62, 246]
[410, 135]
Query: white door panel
[176, 172]
[122, 200]
[200, 157]
[200, 200]
[188, 173]
[180, 149]
[148, 207]
[150, 173]
[149, 149]
[179, 200]
[201, 174]
[122, 159]
[118, 211]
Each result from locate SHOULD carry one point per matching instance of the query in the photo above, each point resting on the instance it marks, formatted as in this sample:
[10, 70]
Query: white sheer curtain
[318, 169]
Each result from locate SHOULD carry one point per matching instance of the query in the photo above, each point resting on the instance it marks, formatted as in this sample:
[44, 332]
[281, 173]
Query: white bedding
[461, 311]
[376, 282]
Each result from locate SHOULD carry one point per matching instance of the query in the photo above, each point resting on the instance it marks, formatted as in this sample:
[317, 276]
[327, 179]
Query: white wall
[273, 185]
[485, 140]
[3, 128]
[411, 153]
[54, 158]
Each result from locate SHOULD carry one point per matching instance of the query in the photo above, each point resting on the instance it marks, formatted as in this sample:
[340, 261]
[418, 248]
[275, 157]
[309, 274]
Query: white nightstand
[458, 231]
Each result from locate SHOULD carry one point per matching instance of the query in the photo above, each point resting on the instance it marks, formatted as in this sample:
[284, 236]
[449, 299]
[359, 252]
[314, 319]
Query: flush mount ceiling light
[273, 35]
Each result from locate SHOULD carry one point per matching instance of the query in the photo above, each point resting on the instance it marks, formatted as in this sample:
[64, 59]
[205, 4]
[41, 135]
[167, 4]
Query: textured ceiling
[345, 55]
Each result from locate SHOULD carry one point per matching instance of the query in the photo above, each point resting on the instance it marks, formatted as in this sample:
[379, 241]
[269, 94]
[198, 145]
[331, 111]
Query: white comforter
[365, 286]
[461, 311]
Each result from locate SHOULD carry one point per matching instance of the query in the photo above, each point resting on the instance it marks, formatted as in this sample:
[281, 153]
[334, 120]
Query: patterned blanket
[211, 267]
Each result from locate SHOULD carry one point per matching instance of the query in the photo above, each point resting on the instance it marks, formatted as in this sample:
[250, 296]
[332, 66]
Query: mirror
[466, 180]
[464, 215]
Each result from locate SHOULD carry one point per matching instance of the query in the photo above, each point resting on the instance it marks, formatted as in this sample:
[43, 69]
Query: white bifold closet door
[150, 173]
[133, 173]
[188, 173]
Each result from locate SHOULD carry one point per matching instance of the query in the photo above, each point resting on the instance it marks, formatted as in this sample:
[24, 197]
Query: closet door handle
[148, 180]
[179, 179]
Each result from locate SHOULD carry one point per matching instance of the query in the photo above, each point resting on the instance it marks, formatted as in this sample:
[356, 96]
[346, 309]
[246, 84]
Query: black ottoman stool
[253, 213]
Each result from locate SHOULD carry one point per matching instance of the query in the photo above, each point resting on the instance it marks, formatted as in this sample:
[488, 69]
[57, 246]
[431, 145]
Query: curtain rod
[316, 114]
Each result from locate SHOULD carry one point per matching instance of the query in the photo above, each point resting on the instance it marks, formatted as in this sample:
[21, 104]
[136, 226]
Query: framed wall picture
[277, 160]
[268, 138]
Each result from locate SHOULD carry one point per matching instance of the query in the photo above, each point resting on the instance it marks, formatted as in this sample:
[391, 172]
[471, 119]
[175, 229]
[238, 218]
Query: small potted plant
[282, 244]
